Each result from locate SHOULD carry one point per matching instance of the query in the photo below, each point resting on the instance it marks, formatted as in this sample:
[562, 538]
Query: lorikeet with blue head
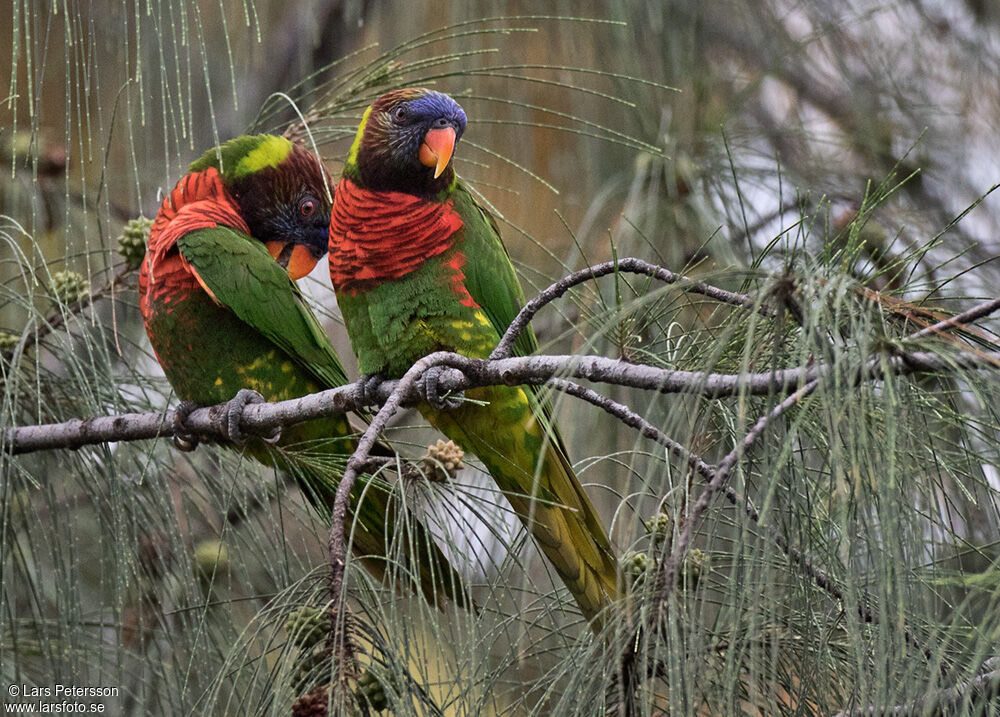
[219, 301]
[419, 266]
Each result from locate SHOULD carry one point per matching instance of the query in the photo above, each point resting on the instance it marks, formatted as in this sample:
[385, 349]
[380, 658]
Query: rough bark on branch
[465, 374]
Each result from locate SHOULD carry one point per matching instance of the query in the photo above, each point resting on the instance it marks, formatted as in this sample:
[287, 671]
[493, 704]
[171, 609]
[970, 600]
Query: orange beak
[274, 248]
[437, 149]
[296, 259]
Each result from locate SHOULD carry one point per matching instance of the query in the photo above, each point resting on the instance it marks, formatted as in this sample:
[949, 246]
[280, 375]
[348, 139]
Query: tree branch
[874, 369]
[465, 373]
[632, 419]
[959, 320]
[462, 373]
[718, 482]
[337, 639]
[708, 472]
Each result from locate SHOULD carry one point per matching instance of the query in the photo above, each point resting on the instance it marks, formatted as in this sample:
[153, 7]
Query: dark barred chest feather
[377, 237]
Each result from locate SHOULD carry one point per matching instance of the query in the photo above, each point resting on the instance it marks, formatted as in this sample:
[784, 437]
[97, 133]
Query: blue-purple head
[406, 141]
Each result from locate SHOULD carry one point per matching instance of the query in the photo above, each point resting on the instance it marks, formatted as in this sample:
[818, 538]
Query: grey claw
[233, 414]
[183, 439]
[273, 437]
[368, 385]
[431, 383]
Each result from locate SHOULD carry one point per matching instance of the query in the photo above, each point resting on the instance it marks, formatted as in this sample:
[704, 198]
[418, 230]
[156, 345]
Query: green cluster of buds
[695, 565]
[68, 286]
[635, 564]
[307, 625]
[8, 341]
[660, 527]
[211, 557]
[371, 691]
[132, 241]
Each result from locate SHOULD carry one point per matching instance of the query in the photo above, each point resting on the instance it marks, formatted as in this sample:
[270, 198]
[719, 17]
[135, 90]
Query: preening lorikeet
[223, 314]
[418, 267]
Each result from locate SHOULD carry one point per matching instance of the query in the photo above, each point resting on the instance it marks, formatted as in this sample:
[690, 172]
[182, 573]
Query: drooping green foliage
[782, 177]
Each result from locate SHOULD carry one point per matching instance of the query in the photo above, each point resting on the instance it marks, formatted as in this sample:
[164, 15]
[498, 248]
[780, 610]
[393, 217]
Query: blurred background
[849, 148]
[827, 97]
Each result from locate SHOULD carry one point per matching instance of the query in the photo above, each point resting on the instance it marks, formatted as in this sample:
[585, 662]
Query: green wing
[492, 282]
[241, 274]
[489, 273]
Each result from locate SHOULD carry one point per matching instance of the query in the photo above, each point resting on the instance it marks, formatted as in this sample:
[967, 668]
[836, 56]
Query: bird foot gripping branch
[434, 385]
[368, 389]
[228, 418]
[232, 413]
[184, 440]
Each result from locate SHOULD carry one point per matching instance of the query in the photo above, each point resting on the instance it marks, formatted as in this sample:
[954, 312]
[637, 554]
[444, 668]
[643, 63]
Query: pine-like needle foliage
[847, 561]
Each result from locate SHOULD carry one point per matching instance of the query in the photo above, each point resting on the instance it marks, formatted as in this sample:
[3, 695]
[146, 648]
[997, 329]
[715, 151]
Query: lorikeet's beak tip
[274, 248]
[437, 149]
[301, 262]
[296, 259]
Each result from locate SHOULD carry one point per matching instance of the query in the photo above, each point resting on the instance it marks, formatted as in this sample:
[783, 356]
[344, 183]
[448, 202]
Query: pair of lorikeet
[418, 266]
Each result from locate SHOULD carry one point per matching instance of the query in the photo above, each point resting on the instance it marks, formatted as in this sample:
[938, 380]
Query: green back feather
[489, 273]
[243, 276]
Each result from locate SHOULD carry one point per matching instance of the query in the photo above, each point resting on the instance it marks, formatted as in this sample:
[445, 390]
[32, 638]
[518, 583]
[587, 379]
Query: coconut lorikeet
[224, 316]
[419, 266]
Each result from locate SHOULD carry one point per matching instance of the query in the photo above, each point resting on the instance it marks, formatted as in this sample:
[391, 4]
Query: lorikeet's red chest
[377, 237]
[199, 201]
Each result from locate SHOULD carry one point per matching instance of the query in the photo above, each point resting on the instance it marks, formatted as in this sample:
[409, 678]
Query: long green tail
[553, 506]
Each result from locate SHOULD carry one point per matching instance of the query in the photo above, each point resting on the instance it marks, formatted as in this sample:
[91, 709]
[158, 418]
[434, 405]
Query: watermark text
[58, 699]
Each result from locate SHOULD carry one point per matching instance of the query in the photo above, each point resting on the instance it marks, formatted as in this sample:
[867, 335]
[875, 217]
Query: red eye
[400, 114]
[307, 207]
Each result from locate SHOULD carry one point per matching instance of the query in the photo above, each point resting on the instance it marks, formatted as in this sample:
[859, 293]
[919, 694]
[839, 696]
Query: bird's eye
[399, 115]
[307, 206]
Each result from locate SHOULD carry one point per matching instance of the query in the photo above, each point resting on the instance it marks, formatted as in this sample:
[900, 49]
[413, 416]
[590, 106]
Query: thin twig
[629, 265]
[632, 419]
[645, 428]
[336, 543]
[959, 320]
[707, 471]
[718, 482]
[874, 369]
